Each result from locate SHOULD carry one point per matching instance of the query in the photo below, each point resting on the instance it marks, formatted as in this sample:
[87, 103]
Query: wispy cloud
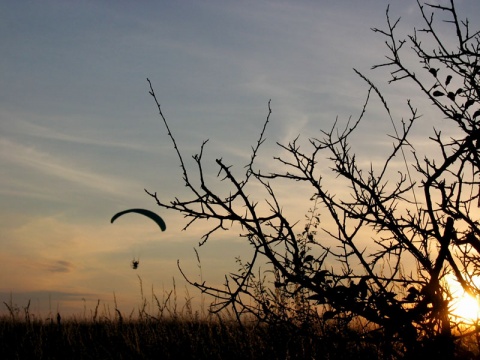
[59, 266]
[24, 127]
[55, 166]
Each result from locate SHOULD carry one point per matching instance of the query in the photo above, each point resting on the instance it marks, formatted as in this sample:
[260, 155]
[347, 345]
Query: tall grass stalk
[162, 328]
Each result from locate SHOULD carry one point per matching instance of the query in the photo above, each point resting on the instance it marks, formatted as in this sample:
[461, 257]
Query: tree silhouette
[349, 262]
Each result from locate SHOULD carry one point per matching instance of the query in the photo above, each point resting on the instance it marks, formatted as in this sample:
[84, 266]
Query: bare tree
[423, 216]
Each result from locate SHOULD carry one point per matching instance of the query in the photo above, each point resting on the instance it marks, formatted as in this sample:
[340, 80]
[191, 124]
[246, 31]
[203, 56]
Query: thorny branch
[353, 263]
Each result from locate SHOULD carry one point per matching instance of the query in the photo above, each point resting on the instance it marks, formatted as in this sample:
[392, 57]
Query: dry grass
[175, 332]
[166, 339]
[172, 332]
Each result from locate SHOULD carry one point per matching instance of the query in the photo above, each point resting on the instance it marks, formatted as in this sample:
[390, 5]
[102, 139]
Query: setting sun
[465, 306]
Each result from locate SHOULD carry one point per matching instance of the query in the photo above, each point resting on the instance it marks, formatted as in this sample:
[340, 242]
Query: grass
[165, 339]
[172, 333]
[175, 332]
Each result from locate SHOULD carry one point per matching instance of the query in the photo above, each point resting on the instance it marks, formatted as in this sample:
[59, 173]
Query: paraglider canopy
[147, 213]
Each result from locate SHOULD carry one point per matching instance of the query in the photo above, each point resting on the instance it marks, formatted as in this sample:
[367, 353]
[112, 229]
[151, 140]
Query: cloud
[60, 266]
[24, 127]
[43, 163]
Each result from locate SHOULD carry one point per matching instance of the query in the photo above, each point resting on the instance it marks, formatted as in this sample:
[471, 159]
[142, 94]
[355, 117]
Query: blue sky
[80, 136]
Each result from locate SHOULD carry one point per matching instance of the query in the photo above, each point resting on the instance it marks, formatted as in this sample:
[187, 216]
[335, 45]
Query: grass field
[168, 339]
[180, 338]
[178, 332]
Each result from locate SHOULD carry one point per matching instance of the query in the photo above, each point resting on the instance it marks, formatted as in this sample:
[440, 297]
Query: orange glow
[465, 307]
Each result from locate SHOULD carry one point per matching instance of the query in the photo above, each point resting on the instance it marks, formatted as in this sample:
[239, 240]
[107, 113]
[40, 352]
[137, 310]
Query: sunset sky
[81, 139]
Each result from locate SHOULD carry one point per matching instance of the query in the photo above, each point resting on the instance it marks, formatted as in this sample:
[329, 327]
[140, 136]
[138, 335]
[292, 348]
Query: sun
[465, 307]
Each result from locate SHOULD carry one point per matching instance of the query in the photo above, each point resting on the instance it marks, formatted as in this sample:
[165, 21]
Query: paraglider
[147, 213]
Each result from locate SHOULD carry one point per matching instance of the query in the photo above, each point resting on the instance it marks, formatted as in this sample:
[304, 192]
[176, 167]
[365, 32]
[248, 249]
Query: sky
[81, 139]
